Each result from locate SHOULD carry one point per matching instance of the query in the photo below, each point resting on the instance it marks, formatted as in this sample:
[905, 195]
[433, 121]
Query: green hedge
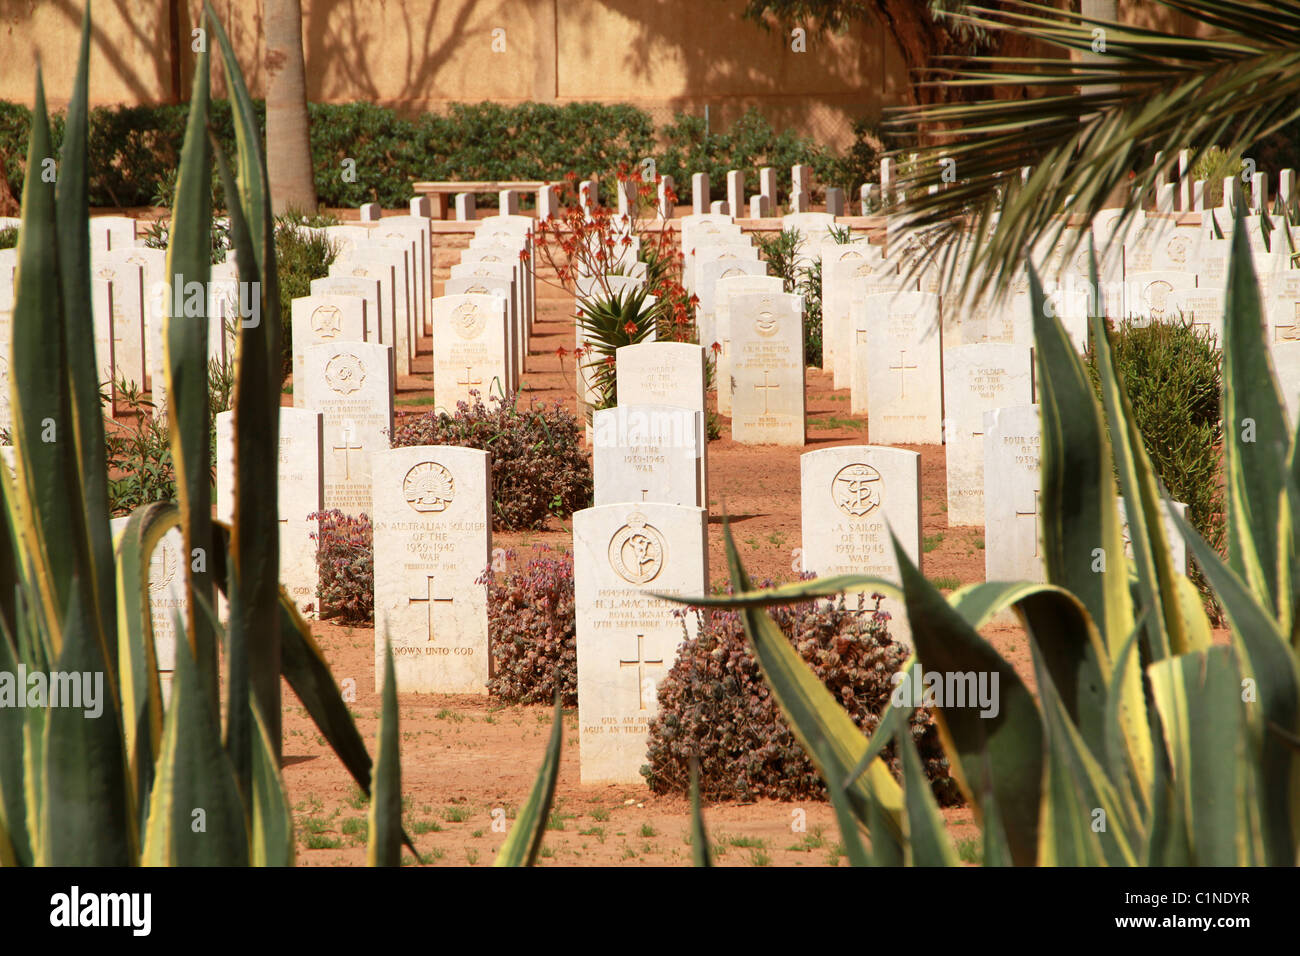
[135, 150]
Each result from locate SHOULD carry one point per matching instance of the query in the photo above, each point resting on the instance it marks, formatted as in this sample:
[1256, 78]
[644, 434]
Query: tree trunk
[1104, 10]
[288, 143]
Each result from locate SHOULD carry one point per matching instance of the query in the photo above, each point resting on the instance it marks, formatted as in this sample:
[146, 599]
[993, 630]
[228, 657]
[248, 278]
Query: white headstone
[349, 384]
[767, 369]
[626, 639]
[647, 453]
[904, 401]
[976, 379]
[853, 497]
[723, 290]
[700, 193]
[300, 492]
[665, 373]
[320, 320]
[433, 542]
[1012, 510]
[469, 349]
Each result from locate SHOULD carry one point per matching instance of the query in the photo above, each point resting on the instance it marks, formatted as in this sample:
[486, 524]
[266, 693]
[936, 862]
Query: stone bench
[438, 192]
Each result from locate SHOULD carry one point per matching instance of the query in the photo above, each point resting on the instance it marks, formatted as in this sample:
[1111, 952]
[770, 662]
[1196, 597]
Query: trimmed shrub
[135, 150]
[345, 561]
[714, 705]
[1173, 376]
[539, 467]
[532, 627]
[8, 237]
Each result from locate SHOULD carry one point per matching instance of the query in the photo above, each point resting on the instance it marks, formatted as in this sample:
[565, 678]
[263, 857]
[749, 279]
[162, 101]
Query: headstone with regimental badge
[433, 543]
[350, 385]
[469, 349]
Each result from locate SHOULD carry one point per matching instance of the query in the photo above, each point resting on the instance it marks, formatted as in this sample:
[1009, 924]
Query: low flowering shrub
[345, 560]
[539, 467]
[532, 627]
[715, 705]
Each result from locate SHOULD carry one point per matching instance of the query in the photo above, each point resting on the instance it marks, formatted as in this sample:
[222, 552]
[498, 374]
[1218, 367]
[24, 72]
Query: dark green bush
[1173, 376]
[539, 467]
[8, 237]
[715, 705]
[135, 150]
[532, 626]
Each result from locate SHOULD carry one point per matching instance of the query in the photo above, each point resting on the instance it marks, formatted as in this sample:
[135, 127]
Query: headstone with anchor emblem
[433, 543]
[628, 639]
[852, 497]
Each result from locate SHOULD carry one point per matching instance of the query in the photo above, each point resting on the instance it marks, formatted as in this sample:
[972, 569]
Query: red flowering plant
[590, 246]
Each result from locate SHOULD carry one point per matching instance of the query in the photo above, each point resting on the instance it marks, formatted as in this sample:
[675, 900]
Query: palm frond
[1025, 168]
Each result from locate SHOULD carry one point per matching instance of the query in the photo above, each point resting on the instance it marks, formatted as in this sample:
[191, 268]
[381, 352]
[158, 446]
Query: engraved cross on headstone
[1036, 515]
[1291, 329]
[429, 600]
[900, 368]
[640, 663]
[467, 380]
[764, 387]
[346, 447]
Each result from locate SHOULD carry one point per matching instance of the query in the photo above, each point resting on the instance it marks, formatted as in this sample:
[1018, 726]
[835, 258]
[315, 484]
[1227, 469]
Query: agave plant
[118, 788]
[609, 320]
[1146, 744]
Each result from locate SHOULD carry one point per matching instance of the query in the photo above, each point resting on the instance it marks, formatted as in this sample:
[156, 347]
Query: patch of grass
[471, 856]
[597, 832]
[979, 543]
[814, 840]
[931, 541]
[946, 583]
[628, 853]
[546, 853]
[834, 853]
[354, 825]
[777, 538]
[556, 820]
[357, 799]
[414, 400]
[970, 850]
[314, 825]
[759, 858]
[421, 827]
[648, 831]
[600, 815]
[456, 814]
[833, 422]
[476, 834]
[746, 842]
[451, 715]
[436, 854]
[321, 841]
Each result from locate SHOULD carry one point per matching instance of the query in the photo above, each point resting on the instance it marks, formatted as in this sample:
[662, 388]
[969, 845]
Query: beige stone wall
[661, 55]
